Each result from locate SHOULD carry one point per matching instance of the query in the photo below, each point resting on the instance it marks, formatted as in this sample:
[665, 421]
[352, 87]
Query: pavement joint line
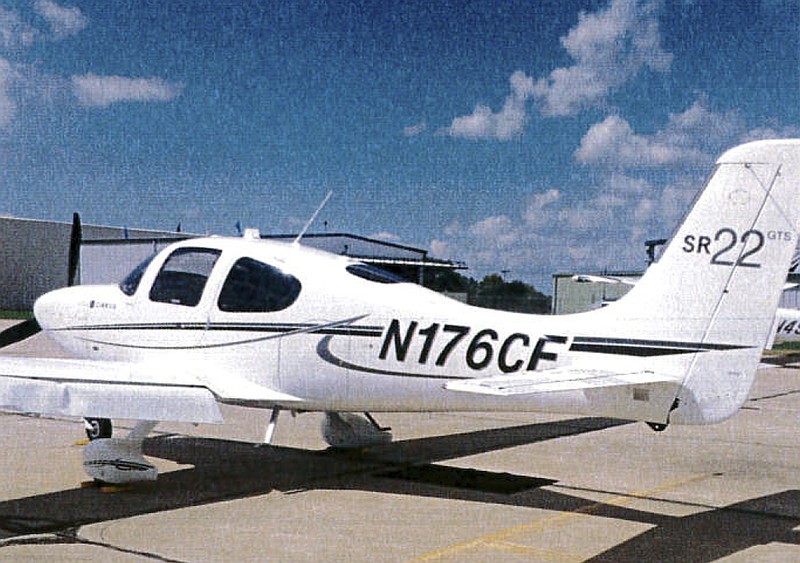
[557, 520]
[72, 537]
[774, 395]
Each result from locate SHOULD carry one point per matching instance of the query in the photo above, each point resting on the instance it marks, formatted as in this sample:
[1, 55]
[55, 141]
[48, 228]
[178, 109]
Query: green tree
[492, 292]
[495, 293]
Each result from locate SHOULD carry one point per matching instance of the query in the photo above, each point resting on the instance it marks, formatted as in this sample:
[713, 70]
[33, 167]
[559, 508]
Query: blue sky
[534, 137]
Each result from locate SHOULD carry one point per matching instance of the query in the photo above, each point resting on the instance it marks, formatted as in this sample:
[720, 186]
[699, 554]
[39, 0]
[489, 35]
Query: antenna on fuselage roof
[313, 216]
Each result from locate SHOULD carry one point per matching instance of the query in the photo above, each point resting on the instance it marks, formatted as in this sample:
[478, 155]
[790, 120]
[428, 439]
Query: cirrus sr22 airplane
[284, 327]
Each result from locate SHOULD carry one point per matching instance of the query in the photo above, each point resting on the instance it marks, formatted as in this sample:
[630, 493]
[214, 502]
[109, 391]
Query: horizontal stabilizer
[558, 379]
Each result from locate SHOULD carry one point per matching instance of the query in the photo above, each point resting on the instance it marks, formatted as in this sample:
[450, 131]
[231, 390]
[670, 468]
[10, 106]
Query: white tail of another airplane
[715, 290]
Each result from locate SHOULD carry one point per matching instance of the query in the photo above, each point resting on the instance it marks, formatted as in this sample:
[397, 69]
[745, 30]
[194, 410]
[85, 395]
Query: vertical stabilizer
[718, 283]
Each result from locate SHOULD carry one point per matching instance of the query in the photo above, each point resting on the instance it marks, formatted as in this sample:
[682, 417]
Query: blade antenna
[311, 220]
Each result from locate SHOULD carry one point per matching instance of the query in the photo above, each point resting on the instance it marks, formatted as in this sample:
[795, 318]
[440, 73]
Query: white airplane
[284, 327]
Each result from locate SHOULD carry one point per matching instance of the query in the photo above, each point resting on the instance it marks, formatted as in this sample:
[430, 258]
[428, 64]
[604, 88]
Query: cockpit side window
[183, 276]
[255, 287]
[130, 283]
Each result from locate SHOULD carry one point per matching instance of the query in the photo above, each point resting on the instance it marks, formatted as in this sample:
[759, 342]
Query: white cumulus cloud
[701, 126]
[385, 235]
[62, 21]
[14, 32]
[612, 142]
[498, 230]
[504, 125]
[7, 106]
[440, 249]
[101, 91]
[539, 211]
[414, 130]
[609, 47]
[24, 89]
[694, 136]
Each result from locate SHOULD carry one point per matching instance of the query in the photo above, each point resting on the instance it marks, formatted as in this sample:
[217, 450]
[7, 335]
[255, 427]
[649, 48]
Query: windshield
[130, 283]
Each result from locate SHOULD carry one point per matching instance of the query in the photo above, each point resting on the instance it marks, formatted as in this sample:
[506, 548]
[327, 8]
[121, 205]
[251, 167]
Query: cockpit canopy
[251, 286]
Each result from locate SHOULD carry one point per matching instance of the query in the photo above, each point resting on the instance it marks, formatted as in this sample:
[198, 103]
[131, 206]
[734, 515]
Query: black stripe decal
[120, 464]
[644, 348]
[641, 351]
[276, 328]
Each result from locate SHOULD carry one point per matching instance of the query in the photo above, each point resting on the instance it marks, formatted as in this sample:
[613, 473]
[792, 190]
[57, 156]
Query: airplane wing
[557, 379]
[107, 389]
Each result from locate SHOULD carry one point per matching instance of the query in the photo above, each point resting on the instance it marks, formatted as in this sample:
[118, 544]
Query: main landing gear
[342, 430]
[350, 431]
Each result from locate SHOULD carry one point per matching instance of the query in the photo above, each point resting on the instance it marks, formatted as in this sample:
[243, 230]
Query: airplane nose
[43, 310]
[53, 309]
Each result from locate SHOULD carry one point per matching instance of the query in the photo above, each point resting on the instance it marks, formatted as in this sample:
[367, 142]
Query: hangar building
[574, 293]
[34, 256]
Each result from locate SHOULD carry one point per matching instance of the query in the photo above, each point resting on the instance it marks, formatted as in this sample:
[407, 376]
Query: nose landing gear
[117, 460]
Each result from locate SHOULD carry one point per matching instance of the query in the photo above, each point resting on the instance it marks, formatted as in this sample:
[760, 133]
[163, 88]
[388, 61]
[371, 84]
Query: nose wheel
[98, 428]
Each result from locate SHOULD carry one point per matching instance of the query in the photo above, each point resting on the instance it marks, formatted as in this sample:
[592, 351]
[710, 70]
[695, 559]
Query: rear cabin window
[371, 273]
[183, 276]
[255, 287]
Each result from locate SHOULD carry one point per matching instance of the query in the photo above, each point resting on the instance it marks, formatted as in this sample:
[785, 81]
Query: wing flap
[54, 386]
[233, 389]
[554, 380]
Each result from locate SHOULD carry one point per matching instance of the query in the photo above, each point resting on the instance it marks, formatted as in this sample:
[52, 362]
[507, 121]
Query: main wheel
[98, 428]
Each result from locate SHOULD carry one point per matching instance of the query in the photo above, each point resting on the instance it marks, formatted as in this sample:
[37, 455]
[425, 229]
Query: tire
[98, 428]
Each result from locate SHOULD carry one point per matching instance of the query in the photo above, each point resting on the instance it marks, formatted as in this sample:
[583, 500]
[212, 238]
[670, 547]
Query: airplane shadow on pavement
[226, 470]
